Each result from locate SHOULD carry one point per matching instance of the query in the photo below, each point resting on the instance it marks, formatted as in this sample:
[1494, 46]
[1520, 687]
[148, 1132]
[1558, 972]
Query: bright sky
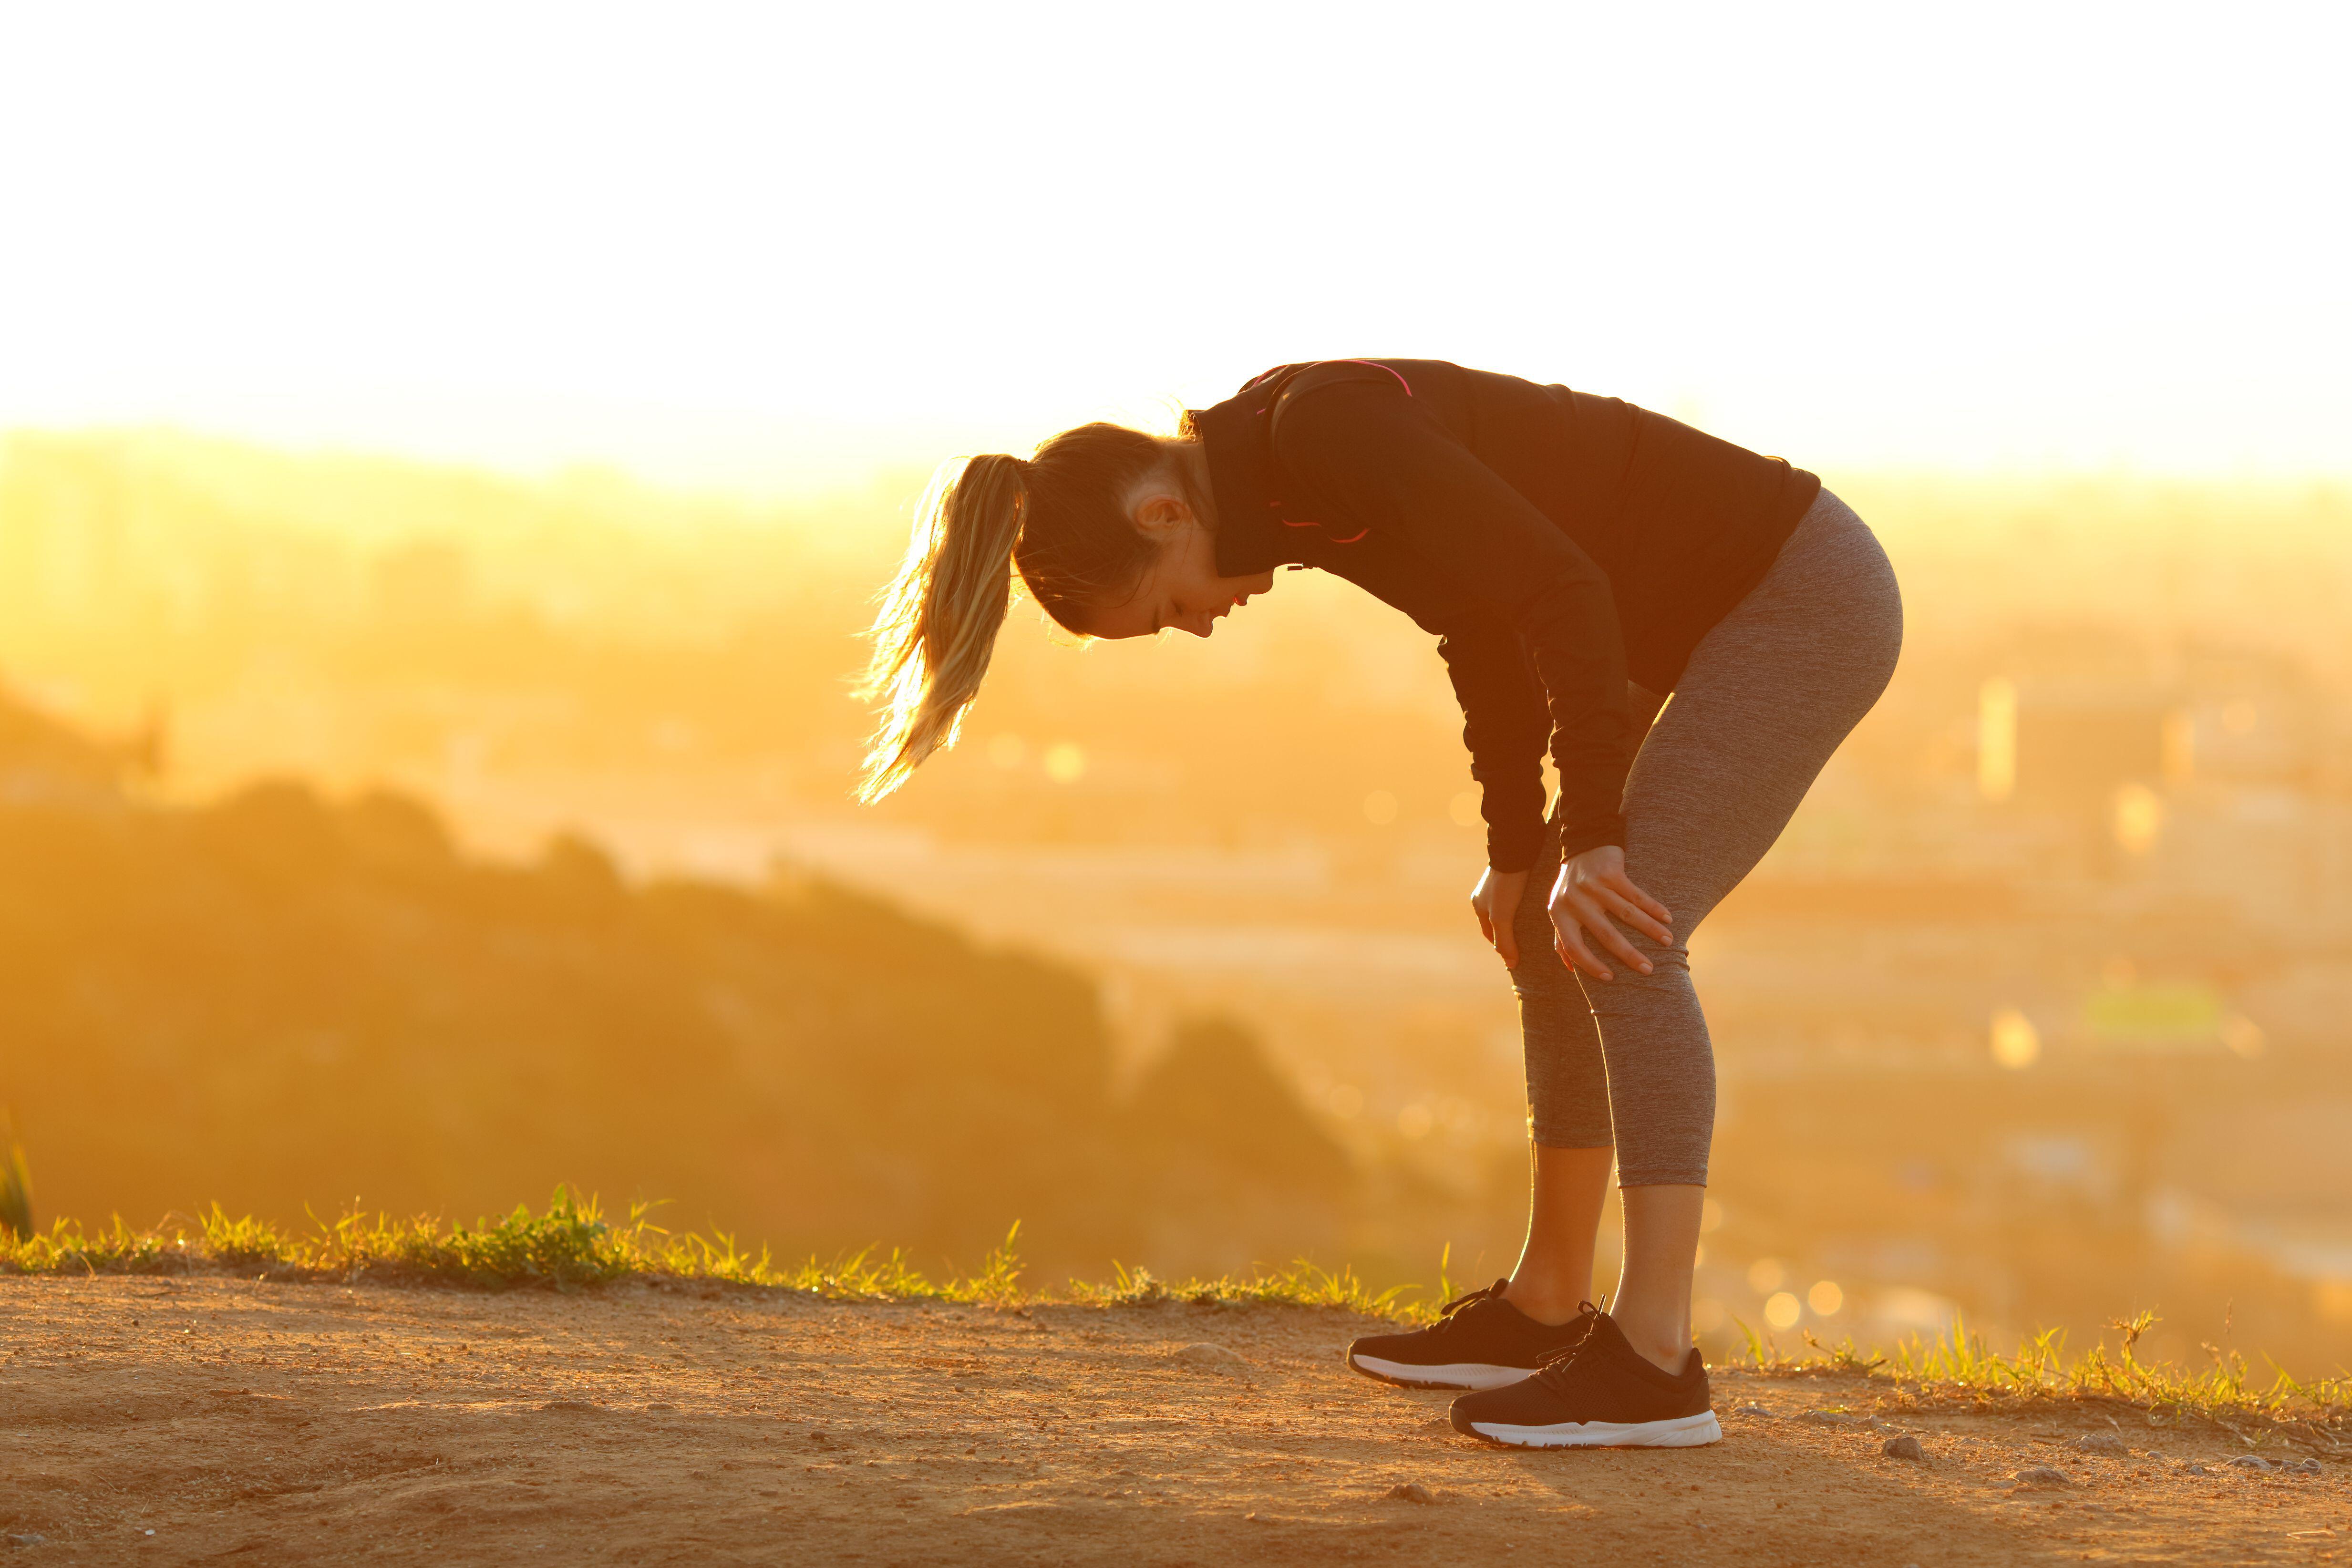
[767, 246]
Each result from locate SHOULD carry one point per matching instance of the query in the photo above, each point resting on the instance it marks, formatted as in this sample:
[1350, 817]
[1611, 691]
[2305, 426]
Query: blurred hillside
[2037, 1012]
[278, 1001]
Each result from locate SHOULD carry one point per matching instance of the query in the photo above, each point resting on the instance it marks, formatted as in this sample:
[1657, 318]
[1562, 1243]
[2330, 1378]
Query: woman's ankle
[1656, 1338]
[1549, 1299]
[1653, 1291]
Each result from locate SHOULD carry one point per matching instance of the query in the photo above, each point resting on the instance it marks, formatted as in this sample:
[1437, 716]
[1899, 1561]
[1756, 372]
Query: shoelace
[1449, 1315]
[1554, 1367]
[1459, 1302]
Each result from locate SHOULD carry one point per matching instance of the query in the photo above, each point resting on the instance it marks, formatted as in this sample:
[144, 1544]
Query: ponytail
[1060, 518]
[941, 615]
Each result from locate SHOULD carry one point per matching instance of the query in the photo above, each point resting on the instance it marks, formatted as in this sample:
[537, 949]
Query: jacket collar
[1252, 535]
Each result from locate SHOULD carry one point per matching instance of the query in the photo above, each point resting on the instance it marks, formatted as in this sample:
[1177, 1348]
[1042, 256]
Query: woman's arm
[1505, 724]
[1359, 443]
[1362, 447]
[1584, 892]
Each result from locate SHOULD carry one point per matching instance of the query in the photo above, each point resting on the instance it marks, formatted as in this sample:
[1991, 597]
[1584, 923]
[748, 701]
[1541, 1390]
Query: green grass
[1958, 1367]
[16, 1187]
[571, 1245]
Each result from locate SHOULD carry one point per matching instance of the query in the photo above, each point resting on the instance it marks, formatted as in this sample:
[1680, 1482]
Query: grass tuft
[16, 1185]
[569, 1245]
[1958, 1366]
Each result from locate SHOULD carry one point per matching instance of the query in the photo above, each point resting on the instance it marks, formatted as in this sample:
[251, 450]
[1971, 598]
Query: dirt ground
[188, 1420]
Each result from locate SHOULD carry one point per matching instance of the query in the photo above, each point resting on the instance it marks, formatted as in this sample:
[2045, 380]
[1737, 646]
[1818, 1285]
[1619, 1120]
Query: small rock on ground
[2253, 1462]
[28, 1539]
[2042, 1476]
[1211, 1358]
[1410, 1491]
[2106, 1443]
[1905, 1447]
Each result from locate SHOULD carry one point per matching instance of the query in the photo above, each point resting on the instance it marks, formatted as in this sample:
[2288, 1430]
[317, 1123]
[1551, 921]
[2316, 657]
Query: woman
[1580, 560]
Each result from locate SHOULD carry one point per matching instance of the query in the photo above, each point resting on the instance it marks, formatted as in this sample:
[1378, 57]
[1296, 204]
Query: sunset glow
[773, 248]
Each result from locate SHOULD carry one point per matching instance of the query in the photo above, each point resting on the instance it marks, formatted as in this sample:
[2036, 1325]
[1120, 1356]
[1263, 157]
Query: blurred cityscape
[2038, 1016]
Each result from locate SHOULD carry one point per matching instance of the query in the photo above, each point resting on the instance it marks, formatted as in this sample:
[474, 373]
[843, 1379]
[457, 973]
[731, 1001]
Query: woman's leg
[1566, 1188]
[1767, 697]
[1569, 1148]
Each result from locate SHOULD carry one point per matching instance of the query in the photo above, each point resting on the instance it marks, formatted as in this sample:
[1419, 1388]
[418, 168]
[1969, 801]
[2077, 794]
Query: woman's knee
[1629, 993]
[1542, 983]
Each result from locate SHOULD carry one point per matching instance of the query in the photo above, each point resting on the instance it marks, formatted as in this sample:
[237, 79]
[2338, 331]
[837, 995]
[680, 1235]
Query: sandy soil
[184, 1421]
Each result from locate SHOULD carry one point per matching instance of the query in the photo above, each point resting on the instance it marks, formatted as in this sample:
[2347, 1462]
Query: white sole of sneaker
[1682, 1432]
[1469, 1374]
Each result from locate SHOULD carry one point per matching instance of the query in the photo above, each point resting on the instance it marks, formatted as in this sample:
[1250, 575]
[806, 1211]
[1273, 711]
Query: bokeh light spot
[2016, 1043]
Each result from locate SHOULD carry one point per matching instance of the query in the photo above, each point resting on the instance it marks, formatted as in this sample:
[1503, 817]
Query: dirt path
[168, 1421]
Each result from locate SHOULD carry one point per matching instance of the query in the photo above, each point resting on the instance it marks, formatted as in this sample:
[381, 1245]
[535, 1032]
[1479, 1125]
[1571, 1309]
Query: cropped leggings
[1766, 696]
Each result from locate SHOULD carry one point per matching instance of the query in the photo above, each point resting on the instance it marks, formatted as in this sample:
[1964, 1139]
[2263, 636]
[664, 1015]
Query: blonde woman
[1580, 560]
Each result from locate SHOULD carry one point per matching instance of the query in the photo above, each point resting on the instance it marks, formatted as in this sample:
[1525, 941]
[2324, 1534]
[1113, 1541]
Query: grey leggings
[1767, 695]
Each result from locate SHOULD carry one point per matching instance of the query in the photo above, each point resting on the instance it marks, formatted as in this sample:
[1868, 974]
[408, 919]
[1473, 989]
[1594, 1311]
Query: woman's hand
[1592, 887]
[1495, 902]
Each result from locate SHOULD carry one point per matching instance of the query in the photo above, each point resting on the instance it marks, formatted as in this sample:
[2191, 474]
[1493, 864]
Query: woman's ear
[1161, 515]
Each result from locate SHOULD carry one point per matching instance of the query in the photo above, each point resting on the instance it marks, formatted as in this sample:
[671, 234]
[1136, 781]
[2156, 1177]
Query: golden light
[1414, 1121]
[1766, 1273]
[2016, 1043]
[1007, 750]
[2140, 818]
[1462, 809]
[707, 249]
[1783, 1310]
[2177, 747]
[1826, 1297]
[1710, 1217]
[2334, 1298]
[1379, 808]
[2243, 1036]
[1997, 738]
[1065, 761]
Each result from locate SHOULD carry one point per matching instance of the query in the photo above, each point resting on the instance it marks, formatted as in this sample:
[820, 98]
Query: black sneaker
[1482, 1341]
[1602, 1395]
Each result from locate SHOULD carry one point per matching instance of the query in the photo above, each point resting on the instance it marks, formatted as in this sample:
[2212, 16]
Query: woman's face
[1180, 590]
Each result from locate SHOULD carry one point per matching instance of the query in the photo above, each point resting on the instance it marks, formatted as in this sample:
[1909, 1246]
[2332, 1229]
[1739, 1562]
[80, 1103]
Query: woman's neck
[1191, 459]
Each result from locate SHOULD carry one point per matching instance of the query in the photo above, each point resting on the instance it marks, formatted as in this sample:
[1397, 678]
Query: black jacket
[1556, 542]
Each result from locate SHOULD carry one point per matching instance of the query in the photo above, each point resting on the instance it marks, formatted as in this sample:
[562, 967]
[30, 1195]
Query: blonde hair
[1060, 518]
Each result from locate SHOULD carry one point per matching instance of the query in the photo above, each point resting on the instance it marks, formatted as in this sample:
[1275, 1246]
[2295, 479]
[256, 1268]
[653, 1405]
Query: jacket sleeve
[1365, 449]
[1505, 724]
